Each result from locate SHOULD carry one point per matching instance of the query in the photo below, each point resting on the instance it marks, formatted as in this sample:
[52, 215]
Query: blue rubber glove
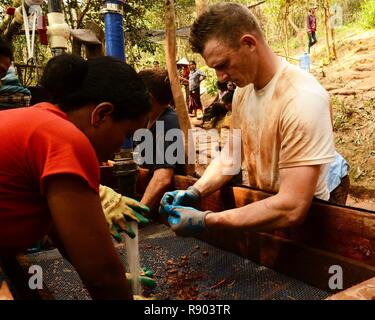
[185, 221]
[189, 197]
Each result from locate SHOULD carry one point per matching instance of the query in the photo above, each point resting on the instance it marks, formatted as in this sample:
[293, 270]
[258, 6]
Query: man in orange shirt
[49, 174]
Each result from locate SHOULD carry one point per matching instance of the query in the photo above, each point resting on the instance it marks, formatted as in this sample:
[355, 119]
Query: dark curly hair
[157, 82]
[5, 49]
[73, 83]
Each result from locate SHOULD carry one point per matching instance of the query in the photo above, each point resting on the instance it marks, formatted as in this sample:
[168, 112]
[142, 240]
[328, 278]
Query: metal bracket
[111, 7]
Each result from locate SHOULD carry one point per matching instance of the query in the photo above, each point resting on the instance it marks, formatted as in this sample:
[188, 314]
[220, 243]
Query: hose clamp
[112, 7]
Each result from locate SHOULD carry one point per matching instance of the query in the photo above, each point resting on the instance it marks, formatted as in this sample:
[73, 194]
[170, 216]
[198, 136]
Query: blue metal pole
[115, 38]
[114, 29]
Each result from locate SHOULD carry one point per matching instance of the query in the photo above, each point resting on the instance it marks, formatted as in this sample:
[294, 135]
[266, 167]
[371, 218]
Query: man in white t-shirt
[284, 119]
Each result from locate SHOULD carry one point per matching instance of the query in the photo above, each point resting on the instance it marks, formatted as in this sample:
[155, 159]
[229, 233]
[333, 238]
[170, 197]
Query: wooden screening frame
[331, 235]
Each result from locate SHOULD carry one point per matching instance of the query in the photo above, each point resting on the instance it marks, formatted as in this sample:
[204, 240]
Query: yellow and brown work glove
[119, 210]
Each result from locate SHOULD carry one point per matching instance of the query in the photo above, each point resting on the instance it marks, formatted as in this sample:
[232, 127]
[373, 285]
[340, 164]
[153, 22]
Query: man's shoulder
[46, 120]
[298, 92]
[297, 82]
[170, 117]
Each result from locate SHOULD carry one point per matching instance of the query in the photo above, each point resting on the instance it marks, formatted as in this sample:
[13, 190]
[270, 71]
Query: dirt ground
[350, 81]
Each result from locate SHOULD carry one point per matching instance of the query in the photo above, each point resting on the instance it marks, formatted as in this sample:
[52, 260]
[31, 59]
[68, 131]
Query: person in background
[196, 76]
[6, 57]
[225, 120]
[311, 28]
[183, 67]
[12, 93]
[227, 100]
[162, 114]
[216, 110]
[49, 178]
[156, 65]
[223, 90]
[231, 86]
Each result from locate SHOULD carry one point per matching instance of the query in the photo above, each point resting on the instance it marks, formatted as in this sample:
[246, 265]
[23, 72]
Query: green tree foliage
[367, 14]
[77, 13]
[3, 5]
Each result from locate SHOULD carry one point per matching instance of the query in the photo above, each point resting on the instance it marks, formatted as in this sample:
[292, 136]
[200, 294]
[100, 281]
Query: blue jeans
[312, 39]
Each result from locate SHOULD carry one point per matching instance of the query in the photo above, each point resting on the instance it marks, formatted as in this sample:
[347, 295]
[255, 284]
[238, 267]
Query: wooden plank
[338, 229]
[331, 235]
[362, 291]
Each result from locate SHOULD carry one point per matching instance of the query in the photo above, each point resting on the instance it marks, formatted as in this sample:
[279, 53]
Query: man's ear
[249, 40]
[101, 113]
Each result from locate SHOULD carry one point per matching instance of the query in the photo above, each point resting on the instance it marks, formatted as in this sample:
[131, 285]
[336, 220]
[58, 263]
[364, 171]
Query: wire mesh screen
[185, 268]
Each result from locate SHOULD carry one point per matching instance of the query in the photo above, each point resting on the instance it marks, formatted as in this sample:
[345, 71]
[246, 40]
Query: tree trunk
[201, 6]
[333, 39]
[299, 32]
[326, 26]
[285, 27]
[76, 47]
[178, 97]
[333, 44]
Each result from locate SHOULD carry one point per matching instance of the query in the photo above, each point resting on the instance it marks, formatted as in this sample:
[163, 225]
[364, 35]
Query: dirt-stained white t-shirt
[285, 124]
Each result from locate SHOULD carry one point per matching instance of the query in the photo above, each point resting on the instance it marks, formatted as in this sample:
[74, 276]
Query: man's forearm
[157, 186]
[269, 214]
[213, 178]
[223, 167]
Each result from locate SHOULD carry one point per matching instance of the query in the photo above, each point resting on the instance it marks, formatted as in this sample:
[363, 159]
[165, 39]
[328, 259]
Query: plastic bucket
[304, 62]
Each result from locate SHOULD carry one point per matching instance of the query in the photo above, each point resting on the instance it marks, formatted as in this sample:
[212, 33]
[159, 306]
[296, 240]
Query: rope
[35, 11]
[27, 31]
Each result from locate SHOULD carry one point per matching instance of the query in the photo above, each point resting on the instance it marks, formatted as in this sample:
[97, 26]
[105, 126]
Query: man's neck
[156, 112]
[269, 64]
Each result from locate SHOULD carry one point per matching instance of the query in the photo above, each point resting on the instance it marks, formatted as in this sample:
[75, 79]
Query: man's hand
[118, 210]
[189, 197]
[185, 221]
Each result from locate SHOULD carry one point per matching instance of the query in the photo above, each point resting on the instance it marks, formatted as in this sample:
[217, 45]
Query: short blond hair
[224, 21]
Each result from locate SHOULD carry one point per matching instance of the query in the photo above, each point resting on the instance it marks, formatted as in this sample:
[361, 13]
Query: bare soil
[350, 81]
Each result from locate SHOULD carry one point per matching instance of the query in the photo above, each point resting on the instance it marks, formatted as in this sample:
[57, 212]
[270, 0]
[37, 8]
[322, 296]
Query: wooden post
[299, 32]
[333, 38]
[178, 96]
[333, 43]
[326, 27]
[285, 27]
